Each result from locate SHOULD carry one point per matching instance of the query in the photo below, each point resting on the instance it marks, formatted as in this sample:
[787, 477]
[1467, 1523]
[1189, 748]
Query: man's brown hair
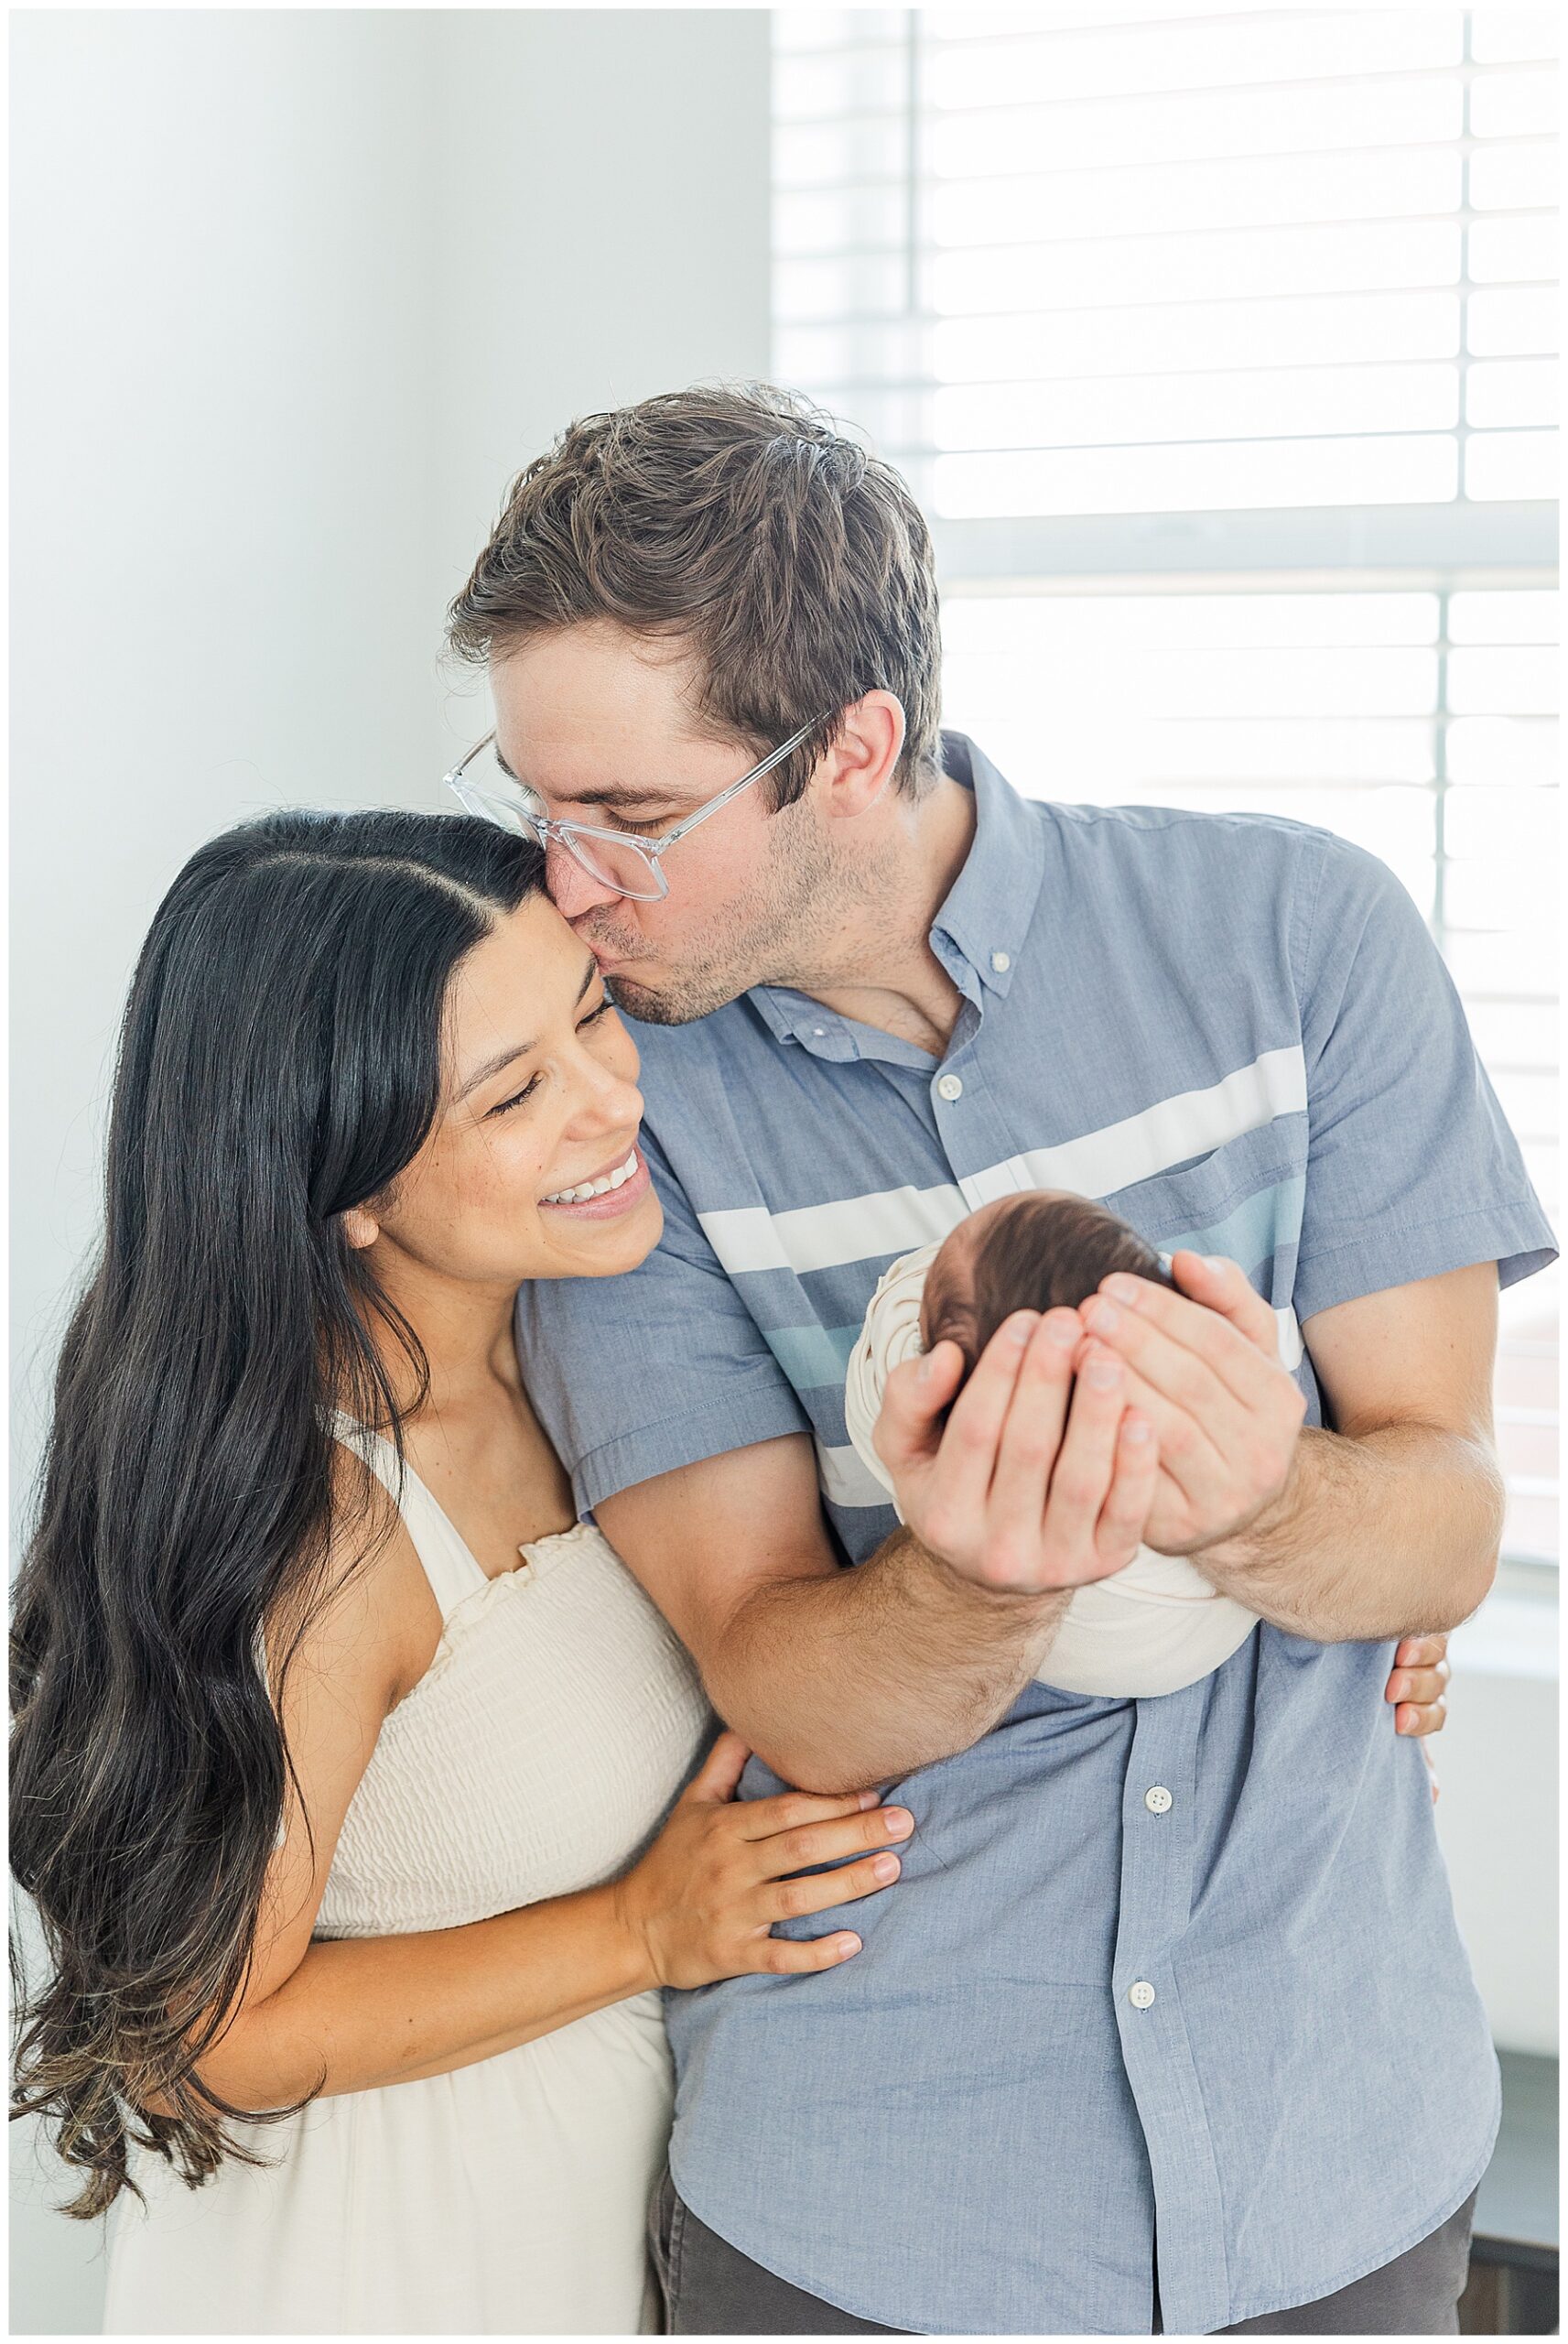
[1046, 1252]
[740, 520]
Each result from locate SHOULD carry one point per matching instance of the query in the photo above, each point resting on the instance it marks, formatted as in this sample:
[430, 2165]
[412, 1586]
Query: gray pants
[712, 2289]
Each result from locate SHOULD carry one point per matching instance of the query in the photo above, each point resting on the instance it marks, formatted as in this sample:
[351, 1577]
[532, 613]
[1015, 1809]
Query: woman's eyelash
[504, 1106]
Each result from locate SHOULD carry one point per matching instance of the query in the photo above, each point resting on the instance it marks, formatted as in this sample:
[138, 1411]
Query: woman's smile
[605, 1194]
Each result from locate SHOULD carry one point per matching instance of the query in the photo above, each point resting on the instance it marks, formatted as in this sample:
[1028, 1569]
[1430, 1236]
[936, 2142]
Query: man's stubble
[785, 929]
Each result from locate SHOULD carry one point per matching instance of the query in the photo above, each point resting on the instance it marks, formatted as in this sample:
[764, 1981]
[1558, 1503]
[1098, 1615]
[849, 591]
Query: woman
[344, 1757]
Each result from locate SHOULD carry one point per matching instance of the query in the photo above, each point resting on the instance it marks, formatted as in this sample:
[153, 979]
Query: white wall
[222, 595]
[1497, 1815]
[604, 228]
[296, 294]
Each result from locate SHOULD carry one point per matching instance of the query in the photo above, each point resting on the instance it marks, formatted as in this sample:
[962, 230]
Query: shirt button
[821, 1032]
[949, 1087]
[1158, 1800]
[1001, 962]
[1140, 1995]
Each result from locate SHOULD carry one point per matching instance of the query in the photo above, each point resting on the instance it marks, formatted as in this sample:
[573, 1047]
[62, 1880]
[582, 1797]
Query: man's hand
[1035, 1482]
[1205, 1371]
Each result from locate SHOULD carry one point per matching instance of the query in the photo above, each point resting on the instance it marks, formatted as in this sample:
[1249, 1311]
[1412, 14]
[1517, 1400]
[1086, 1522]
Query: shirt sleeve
[1411, 1169]
[633, 1376]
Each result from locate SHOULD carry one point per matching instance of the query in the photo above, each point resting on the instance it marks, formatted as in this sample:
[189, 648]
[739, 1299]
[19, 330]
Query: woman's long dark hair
[280, 1062]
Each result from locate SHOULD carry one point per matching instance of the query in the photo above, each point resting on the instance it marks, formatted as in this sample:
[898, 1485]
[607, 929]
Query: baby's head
[1036, 1251]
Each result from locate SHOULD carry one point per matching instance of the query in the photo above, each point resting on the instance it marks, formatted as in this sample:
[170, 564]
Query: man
[1167, 2020]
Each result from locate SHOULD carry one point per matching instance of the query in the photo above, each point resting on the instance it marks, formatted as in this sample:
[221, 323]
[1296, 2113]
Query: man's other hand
[1204, 1367]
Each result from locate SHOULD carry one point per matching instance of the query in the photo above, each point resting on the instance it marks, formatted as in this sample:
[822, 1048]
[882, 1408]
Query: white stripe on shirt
[894, 1220]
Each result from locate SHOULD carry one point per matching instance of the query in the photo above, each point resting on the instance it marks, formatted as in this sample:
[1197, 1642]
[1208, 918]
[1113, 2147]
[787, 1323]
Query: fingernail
[1101, 1372]
[1020, 1328]
[1136, 1429]
[923, 1372]
[1400, 1690]
[1214, 1261]
[1063, 1332]
[869, 1798]
[1102, 1315]
[845, 1946]
[885, 1867]
[1123, 1288]
[900, 1822]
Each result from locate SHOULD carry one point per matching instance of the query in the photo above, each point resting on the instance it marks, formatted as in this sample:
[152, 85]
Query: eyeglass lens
[489, 790]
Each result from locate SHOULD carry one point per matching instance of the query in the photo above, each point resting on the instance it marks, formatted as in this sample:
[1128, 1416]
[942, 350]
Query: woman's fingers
[796, 1811]
[790, 1900]
[792, 1957]
[830, 1842]
[1421, 1686]
[717, 1778]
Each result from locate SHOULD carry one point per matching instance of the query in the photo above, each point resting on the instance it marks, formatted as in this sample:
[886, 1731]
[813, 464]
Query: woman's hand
[703, 1900]
[1416, 1689]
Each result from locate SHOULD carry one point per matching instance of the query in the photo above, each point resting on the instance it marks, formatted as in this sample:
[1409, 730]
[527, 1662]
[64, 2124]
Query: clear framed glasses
[632, 866]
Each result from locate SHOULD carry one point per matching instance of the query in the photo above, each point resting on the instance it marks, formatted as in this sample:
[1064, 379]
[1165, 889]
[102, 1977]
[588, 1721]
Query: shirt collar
[989, 906]
[980, 928]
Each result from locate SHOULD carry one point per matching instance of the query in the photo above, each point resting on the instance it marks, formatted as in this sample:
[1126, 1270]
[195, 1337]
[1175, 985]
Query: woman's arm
[356, 2013]
[351, 2014]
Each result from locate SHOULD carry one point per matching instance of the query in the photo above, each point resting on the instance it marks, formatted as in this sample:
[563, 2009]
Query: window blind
[1220, 349]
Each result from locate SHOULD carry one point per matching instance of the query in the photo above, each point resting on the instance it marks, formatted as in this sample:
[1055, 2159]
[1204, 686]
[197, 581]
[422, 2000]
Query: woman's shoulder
[365, 1619]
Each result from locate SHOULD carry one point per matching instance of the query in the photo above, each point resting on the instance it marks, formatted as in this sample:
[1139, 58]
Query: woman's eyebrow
[491, 1066]
[519, 1049]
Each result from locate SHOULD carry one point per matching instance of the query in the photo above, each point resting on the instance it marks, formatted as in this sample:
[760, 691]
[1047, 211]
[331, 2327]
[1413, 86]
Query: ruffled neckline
[540, 1557]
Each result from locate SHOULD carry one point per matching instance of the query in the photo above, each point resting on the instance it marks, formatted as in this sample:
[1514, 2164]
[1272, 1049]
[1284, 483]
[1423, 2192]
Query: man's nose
[573, 890]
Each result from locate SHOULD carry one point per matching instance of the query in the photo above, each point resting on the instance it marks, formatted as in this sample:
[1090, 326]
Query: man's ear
[360, 1228]
[863, 758]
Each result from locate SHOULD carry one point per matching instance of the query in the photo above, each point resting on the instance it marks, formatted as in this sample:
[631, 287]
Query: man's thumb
[913, 1401]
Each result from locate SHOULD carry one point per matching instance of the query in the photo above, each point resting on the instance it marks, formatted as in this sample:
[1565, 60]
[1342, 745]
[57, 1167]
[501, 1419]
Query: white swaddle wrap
[1153, 1628]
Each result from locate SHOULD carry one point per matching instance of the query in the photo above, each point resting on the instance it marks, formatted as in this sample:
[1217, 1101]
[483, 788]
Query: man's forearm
[1386, 1534]
[890, 1667]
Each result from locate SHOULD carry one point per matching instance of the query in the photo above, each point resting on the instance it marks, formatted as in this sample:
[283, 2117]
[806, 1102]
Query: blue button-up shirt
[1177, 1975]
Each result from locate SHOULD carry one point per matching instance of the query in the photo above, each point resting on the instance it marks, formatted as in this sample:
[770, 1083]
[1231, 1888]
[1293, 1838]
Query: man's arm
[841, 1679]
[1391, 1522]
[1388, 1523]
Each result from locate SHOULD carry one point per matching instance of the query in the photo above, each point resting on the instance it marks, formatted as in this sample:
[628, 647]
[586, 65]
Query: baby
[1157, 1624]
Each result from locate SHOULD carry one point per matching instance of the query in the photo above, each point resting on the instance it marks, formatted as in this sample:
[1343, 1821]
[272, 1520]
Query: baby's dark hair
[1043, 1252]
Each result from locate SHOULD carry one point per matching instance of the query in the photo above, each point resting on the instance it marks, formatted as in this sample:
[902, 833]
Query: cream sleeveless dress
[538, 1754]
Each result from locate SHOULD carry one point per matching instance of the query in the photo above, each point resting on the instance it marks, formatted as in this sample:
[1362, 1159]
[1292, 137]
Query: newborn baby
[1156, 1625]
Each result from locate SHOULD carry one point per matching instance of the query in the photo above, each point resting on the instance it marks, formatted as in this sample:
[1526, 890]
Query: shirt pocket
[1243, 1200]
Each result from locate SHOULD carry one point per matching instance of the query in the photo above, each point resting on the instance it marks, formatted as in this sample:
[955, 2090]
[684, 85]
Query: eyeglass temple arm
[724, 797]
[463, 763]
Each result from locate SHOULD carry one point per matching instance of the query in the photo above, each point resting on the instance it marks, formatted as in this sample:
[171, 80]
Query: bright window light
[1220, 345]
